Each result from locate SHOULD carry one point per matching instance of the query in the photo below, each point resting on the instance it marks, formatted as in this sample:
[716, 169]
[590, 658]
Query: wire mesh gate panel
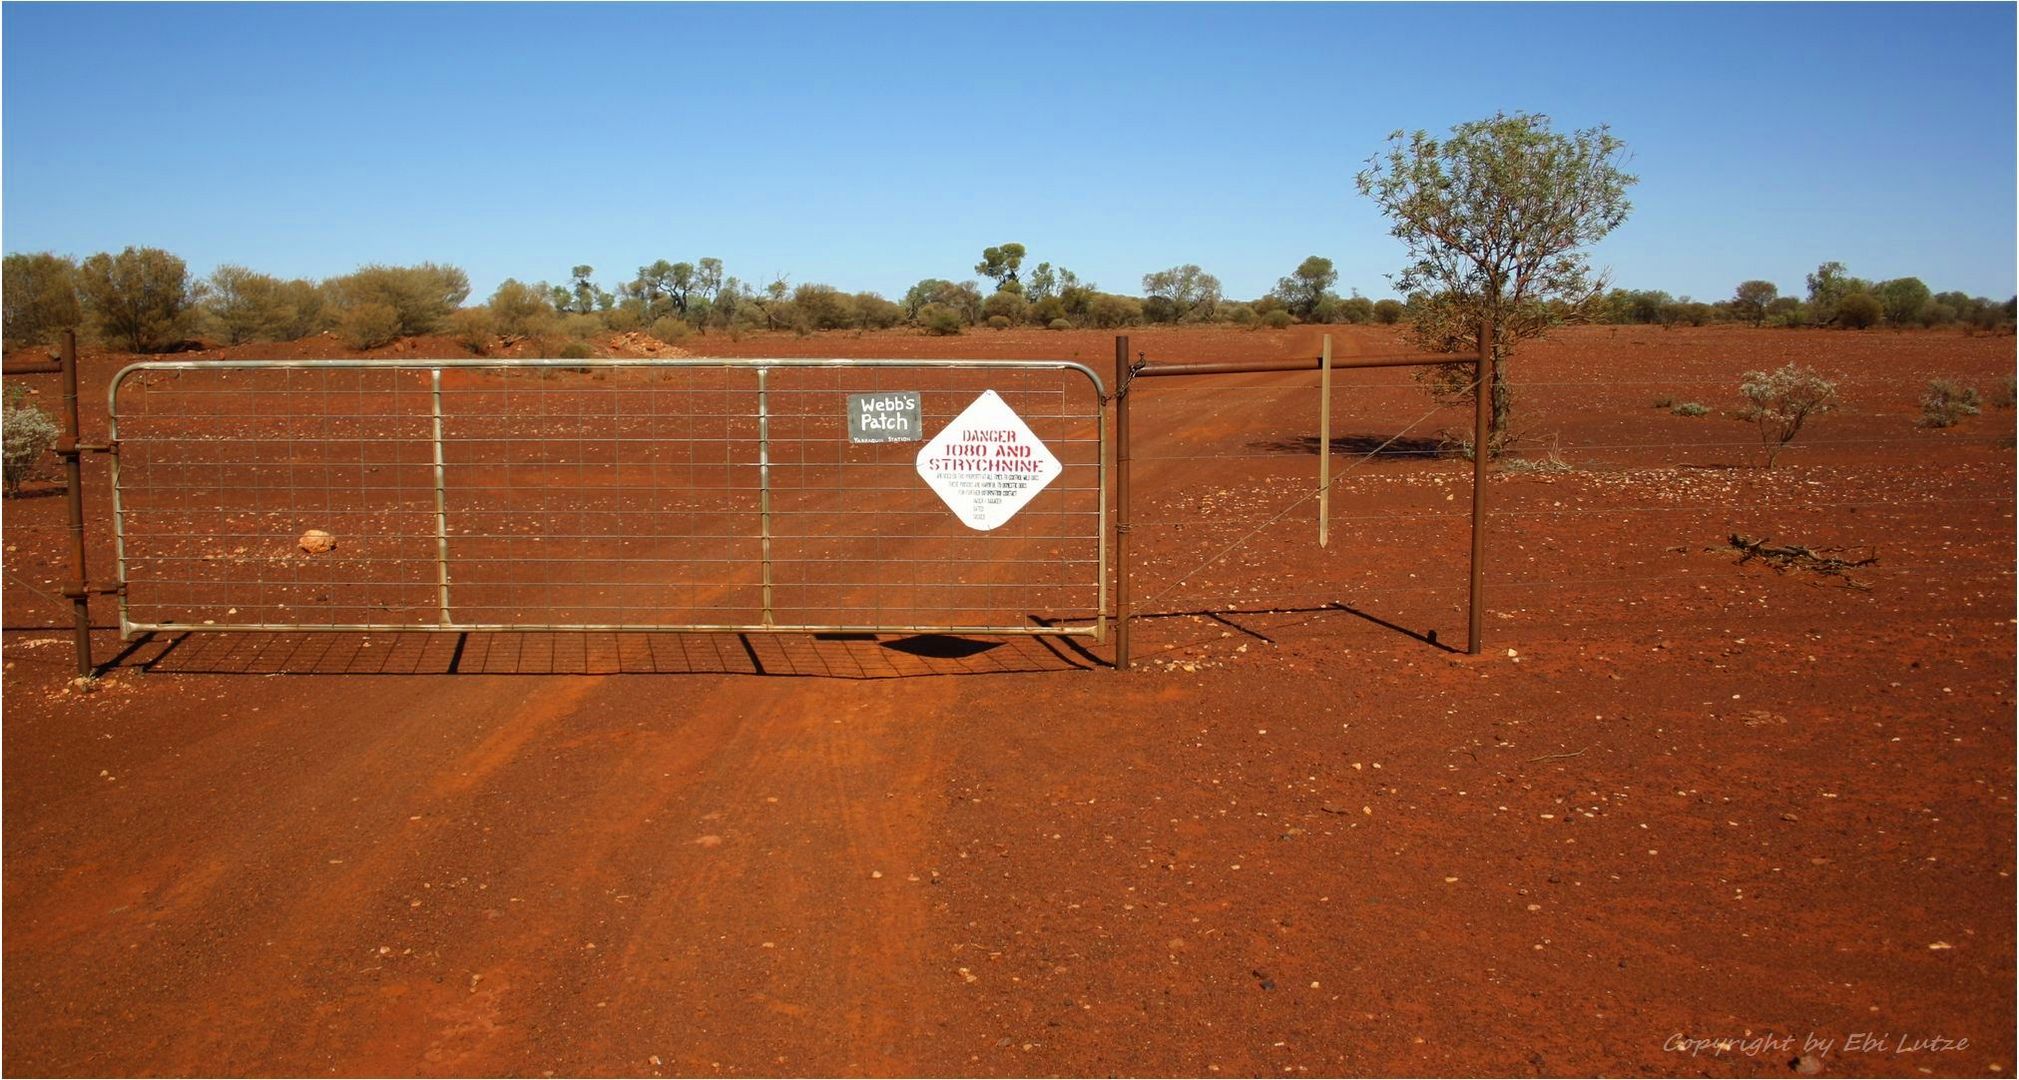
[693, 495]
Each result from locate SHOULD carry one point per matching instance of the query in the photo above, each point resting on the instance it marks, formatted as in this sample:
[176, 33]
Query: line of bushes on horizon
[1835, 299]
[145, 300]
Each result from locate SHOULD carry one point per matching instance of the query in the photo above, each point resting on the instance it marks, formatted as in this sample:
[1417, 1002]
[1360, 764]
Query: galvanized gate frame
[446, 623]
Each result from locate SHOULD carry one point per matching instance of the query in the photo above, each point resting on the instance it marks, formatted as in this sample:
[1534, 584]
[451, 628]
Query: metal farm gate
[614, 495]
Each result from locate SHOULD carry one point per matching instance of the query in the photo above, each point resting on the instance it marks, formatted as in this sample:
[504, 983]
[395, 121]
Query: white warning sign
[987, 465]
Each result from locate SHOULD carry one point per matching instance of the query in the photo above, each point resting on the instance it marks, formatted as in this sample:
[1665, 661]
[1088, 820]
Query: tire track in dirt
[280, 811]
[802, 912]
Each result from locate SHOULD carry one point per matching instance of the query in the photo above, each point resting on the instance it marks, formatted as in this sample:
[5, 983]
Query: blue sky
[870, 146]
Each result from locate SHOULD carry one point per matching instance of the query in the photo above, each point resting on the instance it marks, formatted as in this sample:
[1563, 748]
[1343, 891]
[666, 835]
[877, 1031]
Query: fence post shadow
[1427, 637]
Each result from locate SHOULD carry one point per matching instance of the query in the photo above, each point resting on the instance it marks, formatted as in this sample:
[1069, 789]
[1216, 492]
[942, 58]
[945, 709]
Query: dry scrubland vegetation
[144, 300]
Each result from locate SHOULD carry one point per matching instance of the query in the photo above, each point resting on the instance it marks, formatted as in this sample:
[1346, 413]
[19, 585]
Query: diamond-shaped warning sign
[987, 465]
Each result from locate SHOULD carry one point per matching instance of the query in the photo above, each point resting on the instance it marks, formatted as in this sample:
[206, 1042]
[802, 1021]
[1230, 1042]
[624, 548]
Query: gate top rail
[508, 363]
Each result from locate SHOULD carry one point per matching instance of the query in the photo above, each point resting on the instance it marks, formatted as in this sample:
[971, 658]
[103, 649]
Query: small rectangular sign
[887, 417]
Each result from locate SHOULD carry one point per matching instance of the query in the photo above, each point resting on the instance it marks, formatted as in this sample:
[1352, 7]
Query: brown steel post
[1481, 437]
[1325, 443]
[1121, 503]
[73, 475]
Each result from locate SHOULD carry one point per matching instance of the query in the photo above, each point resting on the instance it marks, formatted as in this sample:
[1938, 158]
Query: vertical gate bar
[1325, 443]
[764, 482]
[1103, 615]
[441, 509]
[1122, 503]
[1481, 422]
[73, 476]
[118, 506]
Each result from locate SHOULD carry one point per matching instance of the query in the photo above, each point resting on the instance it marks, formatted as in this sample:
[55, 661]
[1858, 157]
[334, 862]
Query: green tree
[1751, 298]
[423, 295]
[1356, 309]
[1388, 312]
[1828, 287]
[39, 297]
[582, 291]
[824, 307]
[653, 289]
[1495, 219]
[1859, 310]
[142, 298]
[1000, 264]
[922, 294]
[1187, 292]
[1006, 304]
[1904, 300]
[245, 305]
[521, 310]
[873, 312]
[708, 279]
[1306, 286]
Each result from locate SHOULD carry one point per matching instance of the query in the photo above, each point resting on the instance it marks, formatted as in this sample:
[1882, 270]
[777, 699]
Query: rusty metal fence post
[1121, 393]
[1325, 443]
[78, 587]
[1482, 416]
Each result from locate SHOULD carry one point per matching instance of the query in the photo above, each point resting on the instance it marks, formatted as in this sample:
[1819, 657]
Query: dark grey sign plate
[887, 417]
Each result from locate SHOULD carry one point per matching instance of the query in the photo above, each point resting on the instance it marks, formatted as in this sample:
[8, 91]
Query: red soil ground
[1679, 799]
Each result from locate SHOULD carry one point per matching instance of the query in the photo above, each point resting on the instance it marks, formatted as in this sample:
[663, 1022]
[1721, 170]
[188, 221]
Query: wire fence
[627, 496]
[605, 495]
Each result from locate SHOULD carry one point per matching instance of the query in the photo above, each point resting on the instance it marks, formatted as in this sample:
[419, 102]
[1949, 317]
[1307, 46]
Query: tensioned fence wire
[1187, 590]
[636, 495]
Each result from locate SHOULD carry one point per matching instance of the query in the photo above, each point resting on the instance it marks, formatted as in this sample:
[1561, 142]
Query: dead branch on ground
[1792, 556]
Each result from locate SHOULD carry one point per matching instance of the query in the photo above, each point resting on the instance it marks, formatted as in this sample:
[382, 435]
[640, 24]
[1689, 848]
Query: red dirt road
[1699, 801]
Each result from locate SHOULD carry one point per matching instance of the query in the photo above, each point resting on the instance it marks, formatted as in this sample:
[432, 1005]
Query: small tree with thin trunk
[142, 298]
[1495, 219]
[1751, 299]
[1781, 402]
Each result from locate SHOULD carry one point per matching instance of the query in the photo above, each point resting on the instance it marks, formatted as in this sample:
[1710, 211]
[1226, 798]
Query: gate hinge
[72, 590]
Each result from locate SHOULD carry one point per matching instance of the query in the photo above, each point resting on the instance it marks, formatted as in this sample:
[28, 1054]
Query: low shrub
[369, 325]
[1689, 408]
[1860, 311]
[998, 322]
[670, 330]
[1276, 320]
[1946, 401]
[581, 327]
[576, 350]
[939, 320]
[1782, 401]
[2004, 392]
[1518, 466]
[1059, 324]
[27, 433]
[473, 329]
